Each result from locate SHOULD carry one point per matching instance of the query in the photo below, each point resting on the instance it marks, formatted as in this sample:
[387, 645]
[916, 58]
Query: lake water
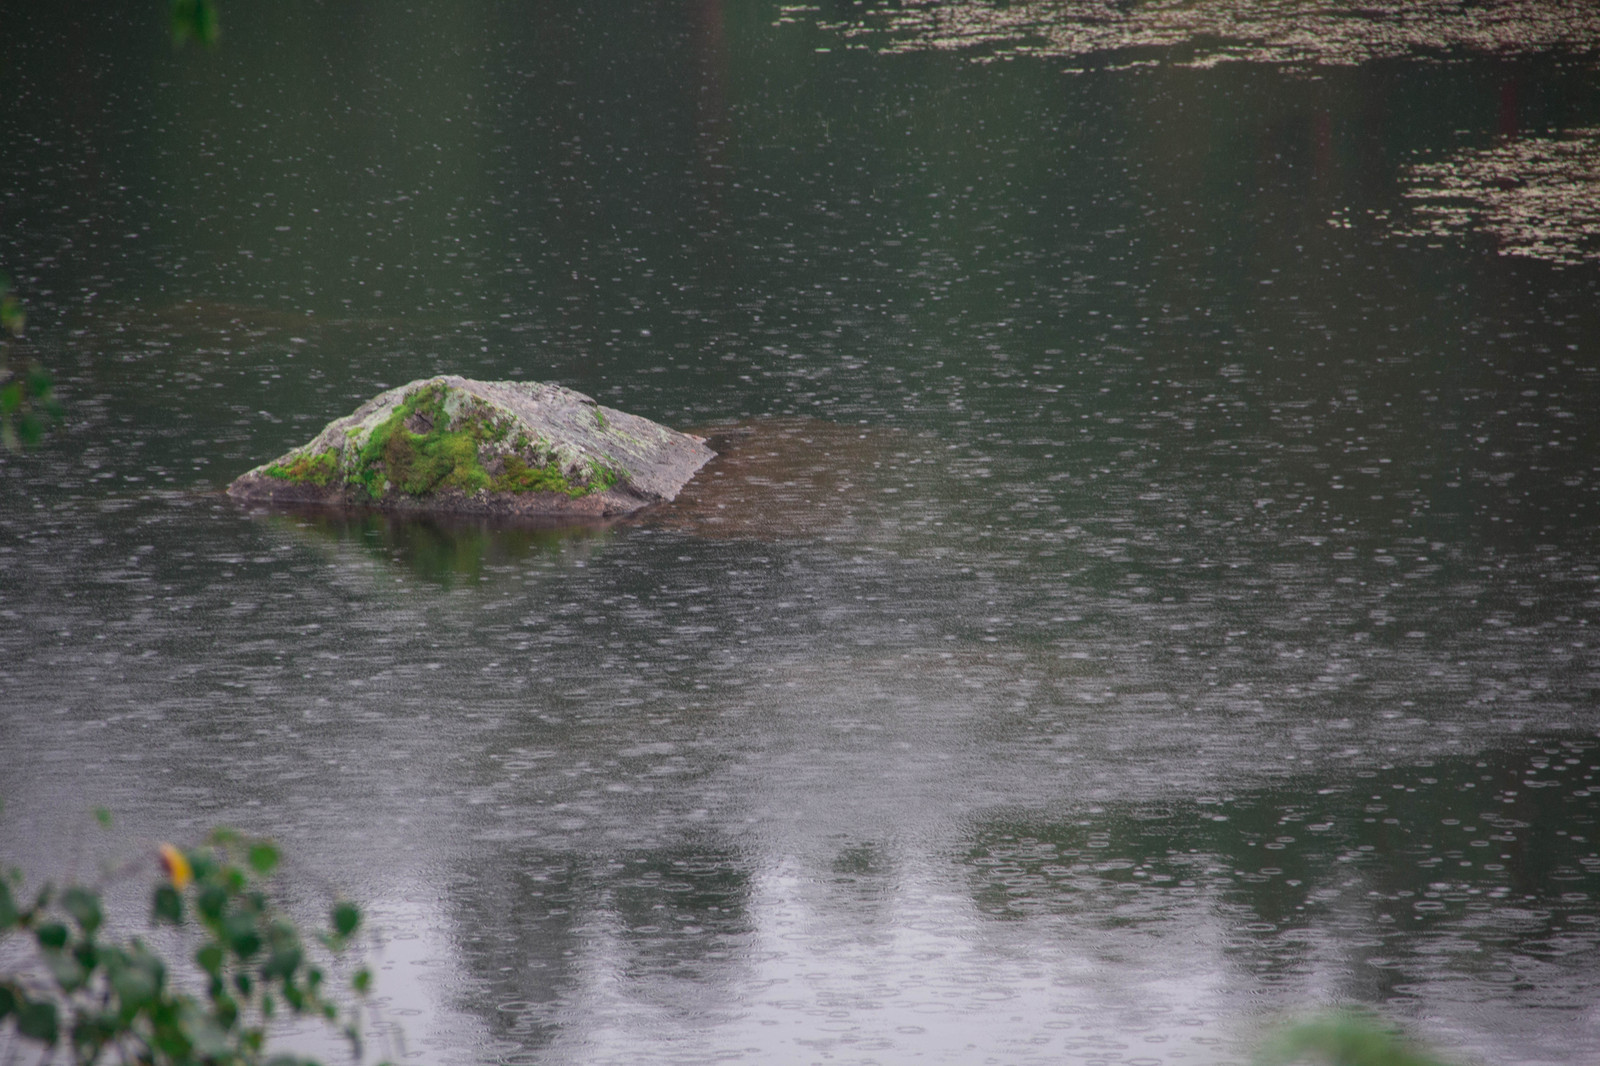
[1151, 589]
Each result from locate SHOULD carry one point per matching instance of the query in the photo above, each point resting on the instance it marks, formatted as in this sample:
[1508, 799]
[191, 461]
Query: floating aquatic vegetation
[1208, 32]
[1540, 197]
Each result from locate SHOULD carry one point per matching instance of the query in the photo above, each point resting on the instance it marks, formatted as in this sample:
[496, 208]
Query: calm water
[1152, 586]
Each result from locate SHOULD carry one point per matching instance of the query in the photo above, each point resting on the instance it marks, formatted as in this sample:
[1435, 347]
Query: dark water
[1151, 591]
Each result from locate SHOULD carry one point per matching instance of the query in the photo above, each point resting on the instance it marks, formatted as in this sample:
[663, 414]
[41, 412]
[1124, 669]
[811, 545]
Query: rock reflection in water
[1216, 31]
[439, 549]
[773, 479]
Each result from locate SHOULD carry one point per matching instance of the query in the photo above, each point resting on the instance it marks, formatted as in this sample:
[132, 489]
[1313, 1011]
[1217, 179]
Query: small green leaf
[362, 981]
[346, 916]
[52, 935]
[37, 1020]
[239, 929]
[67, 971]
[226, 1010]
[84, 907]
[282, 963]
[138, 983]
[111, 957]
[201, 865]
[103, 816]
[245, 943]
[209, 958]
[212, 901]
[167, 905]
[94, 1029]
[263, 857]
[39, 380]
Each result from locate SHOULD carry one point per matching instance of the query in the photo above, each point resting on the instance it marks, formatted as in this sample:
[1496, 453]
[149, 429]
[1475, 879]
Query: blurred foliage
[1344, 1038]
[194, 20]
[27, 394]
[87, 998]
[12, 317]
[27, 403]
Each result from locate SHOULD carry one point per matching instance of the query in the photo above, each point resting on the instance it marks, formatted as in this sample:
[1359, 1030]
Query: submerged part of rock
[451, 445]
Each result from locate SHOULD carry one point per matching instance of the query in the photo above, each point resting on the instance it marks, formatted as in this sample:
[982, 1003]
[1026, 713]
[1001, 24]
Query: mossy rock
[451, 445]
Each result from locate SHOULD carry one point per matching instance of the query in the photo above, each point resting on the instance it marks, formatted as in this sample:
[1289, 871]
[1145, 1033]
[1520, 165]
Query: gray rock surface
[452, 445]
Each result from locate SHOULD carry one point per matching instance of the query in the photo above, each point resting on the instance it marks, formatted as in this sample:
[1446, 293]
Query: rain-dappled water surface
[1147, 587]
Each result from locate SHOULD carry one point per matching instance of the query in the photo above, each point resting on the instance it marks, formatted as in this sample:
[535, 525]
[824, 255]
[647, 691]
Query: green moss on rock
[518, 476]
[453, 445]
[316, 470]
[423, 447]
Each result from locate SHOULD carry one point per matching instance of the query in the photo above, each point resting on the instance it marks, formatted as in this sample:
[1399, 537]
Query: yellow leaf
[177, 867]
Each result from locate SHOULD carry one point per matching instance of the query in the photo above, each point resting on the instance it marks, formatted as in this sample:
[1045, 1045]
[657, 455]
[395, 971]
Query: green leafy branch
[27, 395]
[91, 999]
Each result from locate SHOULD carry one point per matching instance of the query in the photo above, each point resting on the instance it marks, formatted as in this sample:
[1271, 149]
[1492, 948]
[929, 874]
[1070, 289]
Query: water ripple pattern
[1126, 608]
